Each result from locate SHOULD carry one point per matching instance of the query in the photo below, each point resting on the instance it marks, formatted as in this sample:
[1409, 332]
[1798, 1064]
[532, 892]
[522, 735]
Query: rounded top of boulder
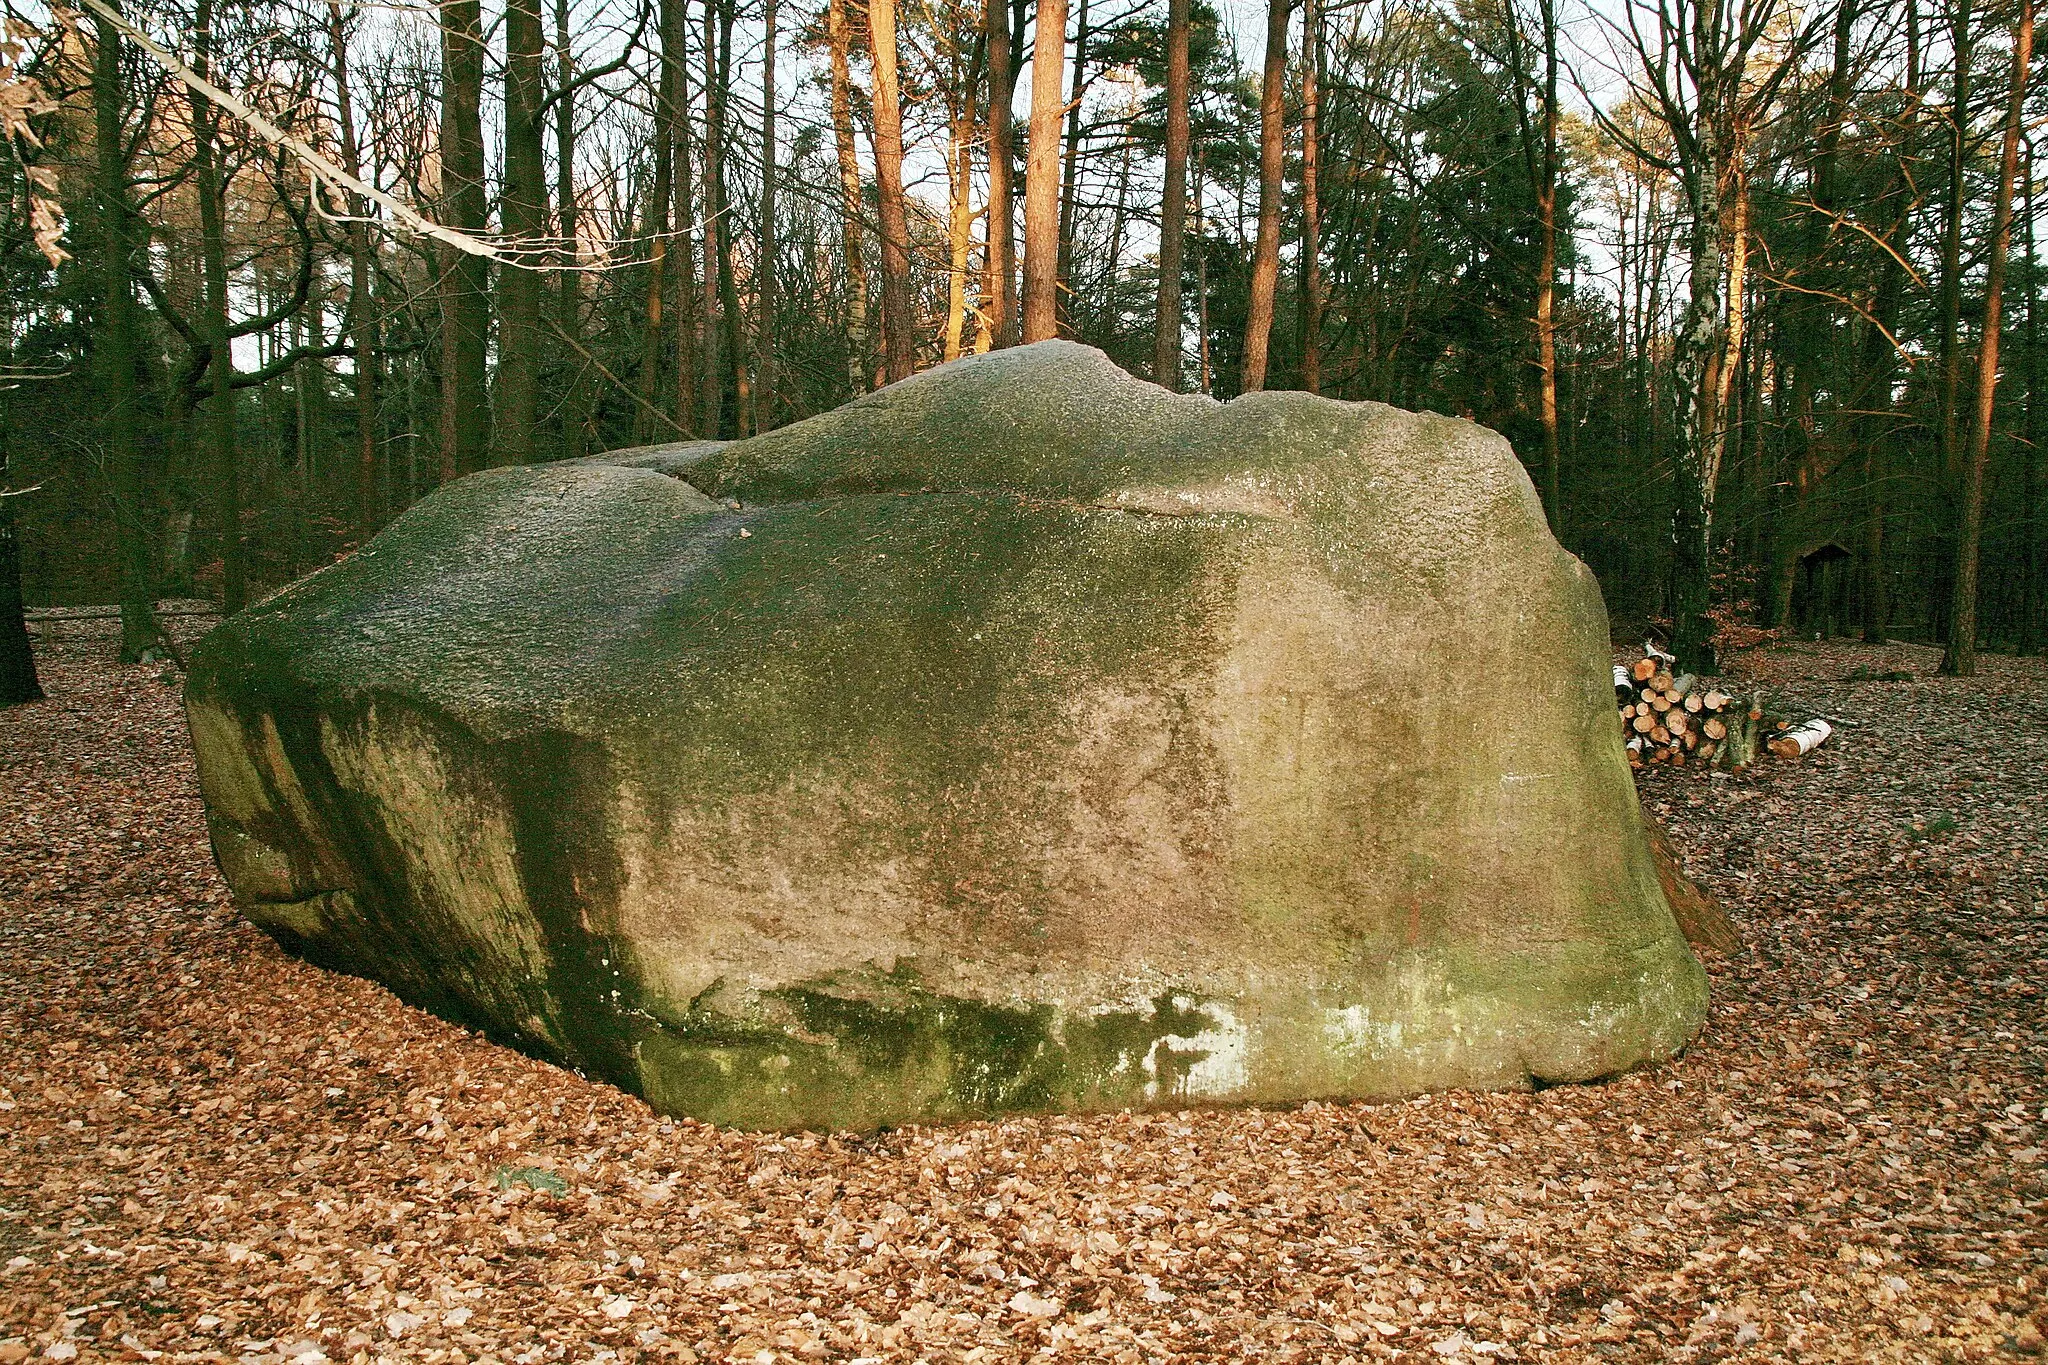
[1057, 419]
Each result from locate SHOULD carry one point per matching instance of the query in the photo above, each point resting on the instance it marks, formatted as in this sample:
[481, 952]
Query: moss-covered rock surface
[1021, 736]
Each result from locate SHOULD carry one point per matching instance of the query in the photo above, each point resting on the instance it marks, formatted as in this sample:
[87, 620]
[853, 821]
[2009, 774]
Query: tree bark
[2031, 624]
[1070, 168]
[999, 267]
[680, 260]
[711, 387]
[729, 309]
[1695, 363]
[1310, 322]
[1258, 325]
[465, 279]
[362, 314]
[1960, 658]
[140, 633]
[18, 681]
[1872, 397]
[1204, 376]
[569, 279]
[1546, 269]
[960, 191]
[1949, 355]
[523, 209]
[221, 459]
[1042, 174]
[1166, 326]
[898, 329]
[859, 348]
[764, 267]
[668, 112]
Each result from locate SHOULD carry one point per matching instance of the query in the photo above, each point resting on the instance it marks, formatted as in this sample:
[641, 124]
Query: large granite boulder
[1021, 736]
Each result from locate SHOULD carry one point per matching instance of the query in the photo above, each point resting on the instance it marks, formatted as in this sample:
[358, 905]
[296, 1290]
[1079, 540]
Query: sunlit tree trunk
[764, 268]
[1258, 325]
[999, 266]
[960, 214]
[1546, 267]
[1948, 342]
[2031, 623]
[1311, 316]
[711, 388]
[1042, 174]
[858, 346]
[898, 334]
[1070, 167]
[1174, 207]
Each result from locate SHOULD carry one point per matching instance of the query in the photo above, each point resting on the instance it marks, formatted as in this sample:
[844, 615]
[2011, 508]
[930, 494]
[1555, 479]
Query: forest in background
[1751, 287]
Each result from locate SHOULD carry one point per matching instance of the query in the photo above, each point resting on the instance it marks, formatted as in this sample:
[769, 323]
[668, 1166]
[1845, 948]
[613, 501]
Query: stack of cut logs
[1680, 719]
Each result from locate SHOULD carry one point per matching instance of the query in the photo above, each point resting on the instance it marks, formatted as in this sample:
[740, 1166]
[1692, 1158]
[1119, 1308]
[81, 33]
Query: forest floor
[211, 1151]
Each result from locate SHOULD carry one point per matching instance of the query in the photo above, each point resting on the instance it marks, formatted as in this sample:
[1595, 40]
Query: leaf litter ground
[211, 1151]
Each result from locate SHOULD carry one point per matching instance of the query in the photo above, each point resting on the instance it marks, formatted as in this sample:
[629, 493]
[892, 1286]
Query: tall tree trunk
[1696, 358]
[729, 309]
[221, 459]
[859, 349]
[1546, 268]
[1960, 658]
[1310, 320]
[1042, 173]
[569, 278]
[999, 265]
[960, 214]
[2032, 628]
[1736, 312]
[764, 268]
[1872, 398]
[1258, 323]
[711, 389]
[668, 112]
[1205, 377]
[1166, 326]
[309, 390]
[898, 329]
[362, 312]
[18, 681]
[523, 207]
[1070, 167]
[465, 279]
[1948, 341]
[120, 400]
[680, 260]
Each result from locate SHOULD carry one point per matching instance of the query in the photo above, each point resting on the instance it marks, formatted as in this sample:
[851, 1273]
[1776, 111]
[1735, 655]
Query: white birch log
[1802, 739]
